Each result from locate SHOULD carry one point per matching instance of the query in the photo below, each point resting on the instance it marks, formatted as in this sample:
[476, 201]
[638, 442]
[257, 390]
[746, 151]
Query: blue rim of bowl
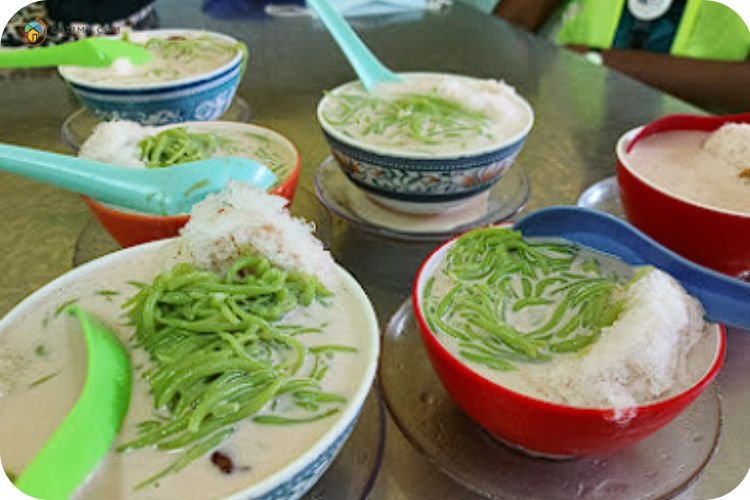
[207, 82]
[373, 150]
[187, 81]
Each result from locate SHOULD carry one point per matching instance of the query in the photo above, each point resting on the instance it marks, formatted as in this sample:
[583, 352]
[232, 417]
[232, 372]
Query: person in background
[697, 50]
[68, 20]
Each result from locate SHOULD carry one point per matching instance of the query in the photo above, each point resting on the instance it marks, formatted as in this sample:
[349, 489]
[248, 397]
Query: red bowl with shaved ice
[537, 426]
[709, 235]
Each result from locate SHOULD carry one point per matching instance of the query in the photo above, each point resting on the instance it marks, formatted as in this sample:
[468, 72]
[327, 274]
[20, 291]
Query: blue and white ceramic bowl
[422, 184]
[302, 468]
[200, 97]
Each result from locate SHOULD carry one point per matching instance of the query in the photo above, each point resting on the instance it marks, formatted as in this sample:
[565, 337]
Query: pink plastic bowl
[541, 427]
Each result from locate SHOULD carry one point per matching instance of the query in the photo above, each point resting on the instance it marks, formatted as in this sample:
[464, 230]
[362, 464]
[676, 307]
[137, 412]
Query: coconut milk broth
[239, 141]
[507, 113]
[29, 415]
[531, 318]
[212, 53]
[676, 162]
[698, 362]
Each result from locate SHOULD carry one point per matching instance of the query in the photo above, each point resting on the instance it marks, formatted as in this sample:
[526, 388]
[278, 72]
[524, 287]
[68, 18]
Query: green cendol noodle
[220, 354]
[495, 277]
[424, 118]
[177, 145]
[185, 50]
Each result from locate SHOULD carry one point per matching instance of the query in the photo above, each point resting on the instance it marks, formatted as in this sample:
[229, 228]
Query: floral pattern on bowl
[202, 100]
[423, 185]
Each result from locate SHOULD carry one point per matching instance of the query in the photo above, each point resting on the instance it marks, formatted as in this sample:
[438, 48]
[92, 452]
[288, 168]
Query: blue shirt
[654, 36]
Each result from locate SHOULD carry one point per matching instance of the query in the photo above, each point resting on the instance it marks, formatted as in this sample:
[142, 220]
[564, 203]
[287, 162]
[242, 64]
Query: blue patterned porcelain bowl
[422, 184]
[302, 466]
[201, 97]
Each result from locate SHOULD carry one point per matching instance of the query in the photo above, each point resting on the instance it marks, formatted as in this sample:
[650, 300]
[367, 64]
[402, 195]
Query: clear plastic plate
[660, 466]
[505, 199]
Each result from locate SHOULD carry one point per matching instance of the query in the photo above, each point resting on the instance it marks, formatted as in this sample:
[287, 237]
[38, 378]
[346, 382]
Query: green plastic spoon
[88, 431]
[94, 52]
[161, 191]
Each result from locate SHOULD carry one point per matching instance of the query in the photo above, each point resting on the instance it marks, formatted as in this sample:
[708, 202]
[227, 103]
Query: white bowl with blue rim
[200, 97]
[299, 470]
[423, 183]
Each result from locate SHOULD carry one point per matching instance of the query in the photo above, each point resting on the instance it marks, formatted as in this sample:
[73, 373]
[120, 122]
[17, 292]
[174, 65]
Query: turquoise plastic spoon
[94, 52]
[161, 191]
[370, 71]
[88, 431]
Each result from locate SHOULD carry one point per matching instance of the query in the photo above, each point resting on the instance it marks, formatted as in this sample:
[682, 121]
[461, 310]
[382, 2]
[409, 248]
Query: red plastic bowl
[715, 238]
[540, 427]
[133, 228]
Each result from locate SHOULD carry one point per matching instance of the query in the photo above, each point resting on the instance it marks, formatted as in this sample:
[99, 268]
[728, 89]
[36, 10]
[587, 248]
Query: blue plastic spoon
[161, 191]
[725, 299]
[369, 69]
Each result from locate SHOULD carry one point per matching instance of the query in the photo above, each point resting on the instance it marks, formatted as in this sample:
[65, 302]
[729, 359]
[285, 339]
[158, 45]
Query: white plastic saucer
[79, 125]
[343, 198]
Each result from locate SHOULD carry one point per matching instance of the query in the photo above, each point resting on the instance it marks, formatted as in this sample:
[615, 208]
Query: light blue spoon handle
[369, 69]
[120, 186]
[725, 299]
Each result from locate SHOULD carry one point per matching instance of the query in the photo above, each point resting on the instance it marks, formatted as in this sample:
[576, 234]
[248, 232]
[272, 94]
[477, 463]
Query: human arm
[527, 14]
[713, 84]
